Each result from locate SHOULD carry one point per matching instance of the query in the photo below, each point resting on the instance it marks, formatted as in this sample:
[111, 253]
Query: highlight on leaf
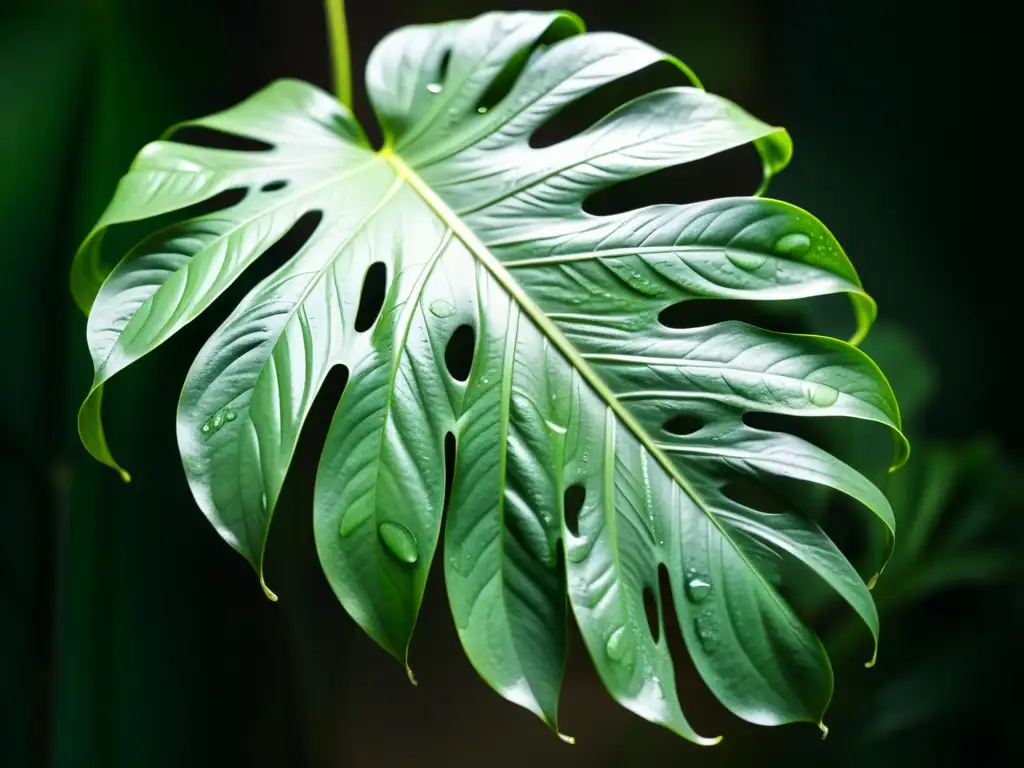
[487, 321]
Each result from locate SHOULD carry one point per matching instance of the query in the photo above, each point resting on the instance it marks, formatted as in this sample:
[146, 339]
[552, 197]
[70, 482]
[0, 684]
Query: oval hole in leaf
[735, 172]
[458, 354]
[575, 494]
[229, 198]
[199, 136]
[782, 316]
[274, 186]
[576, 116]
[755, 496]
[442, 66]
[371, 298]
[683, 424]
[652, 614]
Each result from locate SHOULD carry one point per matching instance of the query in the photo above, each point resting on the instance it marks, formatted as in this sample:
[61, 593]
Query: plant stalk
[337, 29]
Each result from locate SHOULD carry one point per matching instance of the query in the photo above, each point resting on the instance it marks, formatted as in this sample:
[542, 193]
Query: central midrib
[536, 314]
[575, 358]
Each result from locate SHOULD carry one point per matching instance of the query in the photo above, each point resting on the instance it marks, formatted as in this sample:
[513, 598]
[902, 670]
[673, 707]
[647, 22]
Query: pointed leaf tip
[266, 590]
[824, 730]
[566, 737]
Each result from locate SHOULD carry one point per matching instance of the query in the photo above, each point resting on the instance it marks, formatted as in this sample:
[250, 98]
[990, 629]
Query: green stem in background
[338, 32]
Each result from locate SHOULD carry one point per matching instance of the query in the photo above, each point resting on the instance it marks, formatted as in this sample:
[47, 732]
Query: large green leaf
[576, 388]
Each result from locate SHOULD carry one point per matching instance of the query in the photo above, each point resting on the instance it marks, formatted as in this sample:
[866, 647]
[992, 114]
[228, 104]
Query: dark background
[130, 635]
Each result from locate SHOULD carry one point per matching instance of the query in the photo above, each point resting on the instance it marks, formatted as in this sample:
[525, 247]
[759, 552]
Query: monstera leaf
[584, 425]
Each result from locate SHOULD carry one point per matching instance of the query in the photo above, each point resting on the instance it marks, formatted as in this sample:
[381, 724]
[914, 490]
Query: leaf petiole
[337, 30]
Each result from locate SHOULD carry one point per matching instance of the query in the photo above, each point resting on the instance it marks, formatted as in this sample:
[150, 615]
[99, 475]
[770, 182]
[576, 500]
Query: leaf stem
[337, 29]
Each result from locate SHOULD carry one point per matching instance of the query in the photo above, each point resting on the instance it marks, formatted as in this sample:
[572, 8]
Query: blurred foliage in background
[131, 636]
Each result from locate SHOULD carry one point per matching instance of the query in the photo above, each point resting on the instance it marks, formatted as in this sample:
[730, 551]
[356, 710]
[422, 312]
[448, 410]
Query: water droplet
[577, 551]
[793, 244]
[486, 380]
[482, 110]
[434, 87]
[213, 424]
[747, 261]
[616, 645]
[659, 692]
[441, 308]
[697, 589]
[705, 633]
[399, 541]
[821, 395]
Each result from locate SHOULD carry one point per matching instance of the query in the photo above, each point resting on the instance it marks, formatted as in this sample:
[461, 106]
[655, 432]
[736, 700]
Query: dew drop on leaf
[213, 424]
[747, 261]
[578, 552]
[482, 110]
[616, 645]
[793, 244]
[434, 87]
[697, 589]
[441, 308]
[706, 633]
[821, 395]
[399, 541]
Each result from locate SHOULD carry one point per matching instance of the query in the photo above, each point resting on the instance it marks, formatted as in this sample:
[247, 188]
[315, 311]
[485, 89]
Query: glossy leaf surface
[576, 391]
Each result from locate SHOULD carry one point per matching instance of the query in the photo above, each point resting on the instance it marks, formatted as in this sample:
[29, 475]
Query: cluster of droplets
[216, 422]
[436, 88]
[698, 589]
